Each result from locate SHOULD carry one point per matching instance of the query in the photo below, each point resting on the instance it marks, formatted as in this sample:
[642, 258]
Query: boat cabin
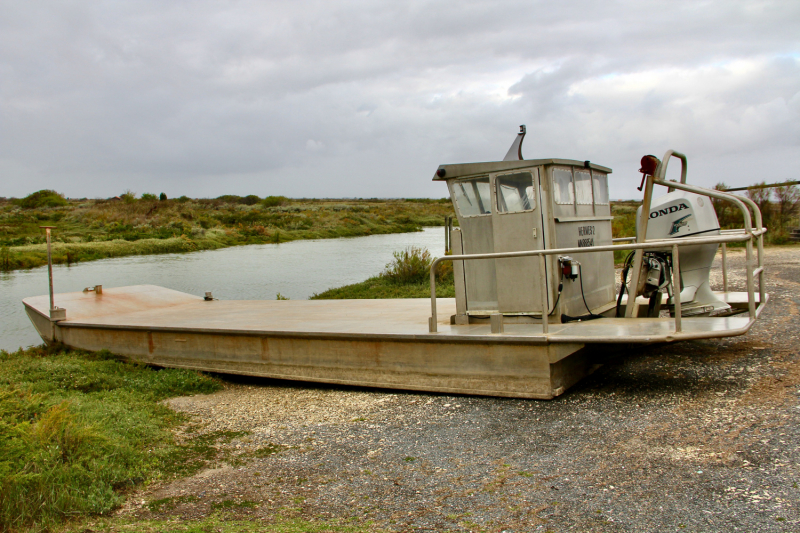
[535, 204]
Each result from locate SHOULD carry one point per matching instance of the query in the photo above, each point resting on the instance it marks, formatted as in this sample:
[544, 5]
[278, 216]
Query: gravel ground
[694, 436]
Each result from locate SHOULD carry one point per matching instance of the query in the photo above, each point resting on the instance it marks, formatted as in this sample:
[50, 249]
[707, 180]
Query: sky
[357, 98]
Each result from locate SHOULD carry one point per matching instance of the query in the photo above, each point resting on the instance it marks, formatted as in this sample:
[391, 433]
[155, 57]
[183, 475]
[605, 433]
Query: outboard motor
[682, 214]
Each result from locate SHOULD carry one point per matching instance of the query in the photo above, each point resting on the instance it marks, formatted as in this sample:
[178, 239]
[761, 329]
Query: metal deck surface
[152, 308]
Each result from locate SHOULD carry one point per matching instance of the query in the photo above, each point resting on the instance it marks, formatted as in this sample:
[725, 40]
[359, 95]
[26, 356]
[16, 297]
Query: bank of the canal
[88, 230]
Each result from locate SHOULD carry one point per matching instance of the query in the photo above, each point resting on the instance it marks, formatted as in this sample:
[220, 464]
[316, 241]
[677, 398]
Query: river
[296, 269]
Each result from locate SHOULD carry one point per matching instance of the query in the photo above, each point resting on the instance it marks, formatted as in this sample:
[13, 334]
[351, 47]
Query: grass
[380, 287]
[95, 229]
[78, 429]
[407, 276]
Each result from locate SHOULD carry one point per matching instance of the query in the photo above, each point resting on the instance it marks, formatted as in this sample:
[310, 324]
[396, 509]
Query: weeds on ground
[77, 429]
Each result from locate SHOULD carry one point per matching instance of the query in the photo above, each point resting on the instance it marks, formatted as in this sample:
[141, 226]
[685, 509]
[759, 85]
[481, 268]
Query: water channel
[295, 269]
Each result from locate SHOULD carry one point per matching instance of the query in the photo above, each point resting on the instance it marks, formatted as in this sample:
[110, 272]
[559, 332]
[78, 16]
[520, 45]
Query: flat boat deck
[382, 343]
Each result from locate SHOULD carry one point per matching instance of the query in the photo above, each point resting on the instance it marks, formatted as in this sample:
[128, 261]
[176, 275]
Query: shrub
[148, 196]
[162, 197]
[787, 205]
[762, 198]
[409, 266]
[230, 198]
[274, 201]
[128, 196]
[43, 198]
[250, 199]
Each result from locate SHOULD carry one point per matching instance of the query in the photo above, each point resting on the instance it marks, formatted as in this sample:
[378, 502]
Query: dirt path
[696, 436]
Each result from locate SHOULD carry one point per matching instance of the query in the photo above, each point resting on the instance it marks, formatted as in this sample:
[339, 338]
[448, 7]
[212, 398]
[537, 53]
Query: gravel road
[694, 436]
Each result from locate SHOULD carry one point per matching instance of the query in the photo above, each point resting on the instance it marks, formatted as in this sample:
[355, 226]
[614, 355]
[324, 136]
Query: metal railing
[673, 244]
[746, 235]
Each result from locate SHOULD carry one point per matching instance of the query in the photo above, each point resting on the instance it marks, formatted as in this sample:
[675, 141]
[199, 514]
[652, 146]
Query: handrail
[759, 243]
[662, 168]
[671, 243]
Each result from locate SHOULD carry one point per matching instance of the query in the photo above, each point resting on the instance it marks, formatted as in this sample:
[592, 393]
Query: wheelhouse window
[515, 193]
[472, 196]
[562, 186]
[583, 187]
[600, 182]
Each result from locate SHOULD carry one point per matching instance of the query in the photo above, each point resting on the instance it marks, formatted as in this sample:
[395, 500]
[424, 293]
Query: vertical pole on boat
[543, 289]
[641, 236]
[724, 269]
[433, 318]
[751, 299]
[676, 287]
[446, 234]
[49, 264]
[448, 230]
[56, 313]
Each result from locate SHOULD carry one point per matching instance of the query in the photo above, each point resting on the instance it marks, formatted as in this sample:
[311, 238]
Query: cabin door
[473, 200]
[517, 225]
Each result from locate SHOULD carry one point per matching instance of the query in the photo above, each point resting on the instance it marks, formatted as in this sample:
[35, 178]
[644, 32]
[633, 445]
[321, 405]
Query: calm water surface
[296, 269]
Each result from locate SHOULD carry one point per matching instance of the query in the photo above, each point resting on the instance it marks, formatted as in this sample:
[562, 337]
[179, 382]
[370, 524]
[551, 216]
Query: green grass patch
[379, 287]
[198, 452]
[218, 523]
[230, 505]
[168, 504]
[78, 429]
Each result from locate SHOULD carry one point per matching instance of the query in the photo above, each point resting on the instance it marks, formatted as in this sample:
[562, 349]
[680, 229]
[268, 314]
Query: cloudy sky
[366, 98]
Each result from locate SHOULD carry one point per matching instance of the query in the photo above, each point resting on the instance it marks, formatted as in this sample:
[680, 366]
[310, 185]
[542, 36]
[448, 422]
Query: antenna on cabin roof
[515, 152]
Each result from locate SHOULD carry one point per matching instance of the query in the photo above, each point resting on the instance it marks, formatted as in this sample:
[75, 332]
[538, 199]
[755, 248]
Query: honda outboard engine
[682, 214]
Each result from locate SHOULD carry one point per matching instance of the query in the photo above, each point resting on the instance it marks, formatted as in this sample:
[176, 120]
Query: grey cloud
[366, 98]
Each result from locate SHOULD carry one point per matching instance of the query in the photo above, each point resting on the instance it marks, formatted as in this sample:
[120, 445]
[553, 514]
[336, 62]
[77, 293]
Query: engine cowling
[683, 214]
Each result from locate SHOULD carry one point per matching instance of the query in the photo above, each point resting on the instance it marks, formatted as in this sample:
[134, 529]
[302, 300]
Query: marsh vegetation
[130, 225]
[150, 224]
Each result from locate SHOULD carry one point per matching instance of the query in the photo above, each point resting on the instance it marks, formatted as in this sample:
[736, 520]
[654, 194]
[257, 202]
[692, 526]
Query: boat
[527, 320]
